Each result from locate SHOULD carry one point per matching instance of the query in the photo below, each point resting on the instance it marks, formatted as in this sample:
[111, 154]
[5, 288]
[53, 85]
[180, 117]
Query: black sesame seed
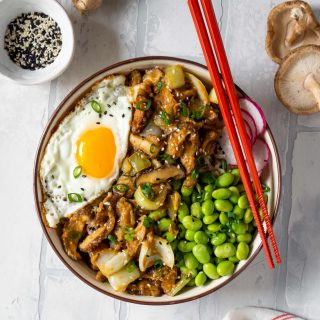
[108, 105]
[123, 115]
[84, 176]
[82, 189]
[59, 187]
[105, 112]
[97, 122]
[111, 115]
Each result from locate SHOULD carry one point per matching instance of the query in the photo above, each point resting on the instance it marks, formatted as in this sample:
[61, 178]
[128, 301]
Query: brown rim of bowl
[35, 176]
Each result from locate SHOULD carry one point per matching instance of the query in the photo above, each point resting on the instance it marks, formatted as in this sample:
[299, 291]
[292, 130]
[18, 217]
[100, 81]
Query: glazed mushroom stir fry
[177, 215]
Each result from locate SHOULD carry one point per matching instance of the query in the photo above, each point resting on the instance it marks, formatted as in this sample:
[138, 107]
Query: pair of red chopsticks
[231, 126]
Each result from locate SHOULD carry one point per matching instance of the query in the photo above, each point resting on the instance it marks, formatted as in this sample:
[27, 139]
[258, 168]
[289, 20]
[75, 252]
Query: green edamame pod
[242, 251]
[201, 252]
[225, 268]
[223, 205]
[243, 202]
[192, 223]
[225, 250]
[225, 180]
[211, 271]
[223, 218]
[218, 238]
[190, 261]
[200, 279]
[201, 237]
[221, 194]
[210, 219]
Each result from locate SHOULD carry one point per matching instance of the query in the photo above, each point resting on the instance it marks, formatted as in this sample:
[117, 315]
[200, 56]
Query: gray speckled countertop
[33, 282]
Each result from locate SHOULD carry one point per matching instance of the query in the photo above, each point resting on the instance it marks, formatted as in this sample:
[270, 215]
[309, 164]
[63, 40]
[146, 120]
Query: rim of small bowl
[44, 228]
[65, 63]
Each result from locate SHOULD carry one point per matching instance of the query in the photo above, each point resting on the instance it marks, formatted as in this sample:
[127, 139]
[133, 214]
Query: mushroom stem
[296, 27]
[311, 84]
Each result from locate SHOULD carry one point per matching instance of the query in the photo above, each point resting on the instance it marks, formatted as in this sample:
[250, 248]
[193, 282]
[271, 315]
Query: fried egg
[84, 155]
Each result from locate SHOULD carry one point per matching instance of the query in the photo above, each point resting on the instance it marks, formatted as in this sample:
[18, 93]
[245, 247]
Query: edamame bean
[208, 192]
[221, 194]
[207, 207]
[196, 210]
[185, 246]
[238, 211]
[192, 223]
[164, 224]
[223, 205]
[248, 216]
[190, 261]
[200, 279]
[233, 259]
[218, 238]
[237, 176]
[182, 211]
[225, 180]
[201, 252]
[210, 219]
[211, 271]
[242, 251]
[201, 237]
[169, 236]
[225, 268]
[223, 218]
[185, 191]
[225, 250]
[239, 227]
[243, 202]
[235, 194]
[157, 214]
[190, 235]
[246, 237]
[232, 237]
[214, 227]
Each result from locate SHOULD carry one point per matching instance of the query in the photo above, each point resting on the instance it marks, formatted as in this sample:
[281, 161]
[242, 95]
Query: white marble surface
[33, 282]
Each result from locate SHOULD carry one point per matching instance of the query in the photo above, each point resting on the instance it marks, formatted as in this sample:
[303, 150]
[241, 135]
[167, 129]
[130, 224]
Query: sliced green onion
[224, 164]
[165, 117]
[195, 174]
[147, 191]
[128, 233]
[121, 188]
[166, 157]
[77, 172]
[148, 222]
[159, 86]
[112, 238]
[184, 109]
[96, 106]
[75, 197]
[130, 267]
[143, 105]
[199, 113]
[158, 264]
[154, 148]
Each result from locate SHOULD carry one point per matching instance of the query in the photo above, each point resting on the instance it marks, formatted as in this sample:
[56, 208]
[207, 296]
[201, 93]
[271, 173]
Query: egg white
[59, 161]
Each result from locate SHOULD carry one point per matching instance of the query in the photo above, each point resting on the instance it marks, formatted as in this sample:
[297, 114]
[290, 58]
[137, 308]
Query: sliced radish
[248, 118]
[261, 154]
[256, 112]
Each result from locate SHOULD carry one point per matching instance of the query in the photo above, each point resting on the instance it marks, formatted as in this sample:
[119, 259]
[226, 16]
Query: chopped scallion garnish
[96, 106]
[147, 190]
[165, 117]
[75, 197]
[77, 172]
[121, 188]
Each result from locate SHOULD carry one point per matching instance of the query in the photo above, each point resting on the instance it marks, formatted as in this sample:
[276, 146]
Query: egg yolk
[96, 151]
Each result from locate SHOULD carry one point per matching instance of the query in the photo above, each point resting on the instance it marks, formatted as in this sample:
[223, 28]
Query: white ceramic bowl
[271, 176]
[10, 9]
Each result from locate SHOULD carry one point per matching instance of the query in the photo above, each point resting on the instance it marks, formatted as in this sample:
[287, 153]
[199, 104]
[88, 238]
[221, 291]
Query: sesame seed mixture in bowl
[37, 40]
[33, 40]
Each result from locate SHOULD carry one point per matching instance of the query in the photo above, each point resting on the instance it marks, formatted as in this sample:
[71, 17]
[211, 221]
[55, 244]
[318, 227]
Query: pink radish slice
[249, 131]
[247, 117]
[261, 154]
[256, 112]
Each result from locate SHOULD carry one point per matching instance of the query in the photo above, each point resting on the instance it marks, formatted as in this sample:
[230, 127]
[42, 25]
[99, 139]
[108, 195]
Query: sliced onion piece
[256, 112]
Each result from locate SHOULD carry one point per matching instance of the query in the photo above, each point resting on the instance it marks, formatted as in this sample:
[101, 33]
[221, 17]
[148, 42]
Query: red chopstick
[227, 76]
[230, 126]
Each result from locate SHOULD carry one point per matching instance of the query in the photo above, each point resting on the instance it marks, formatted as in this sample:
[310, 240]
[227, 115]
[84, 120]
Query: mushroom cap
[290, 79]
[280, 20]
